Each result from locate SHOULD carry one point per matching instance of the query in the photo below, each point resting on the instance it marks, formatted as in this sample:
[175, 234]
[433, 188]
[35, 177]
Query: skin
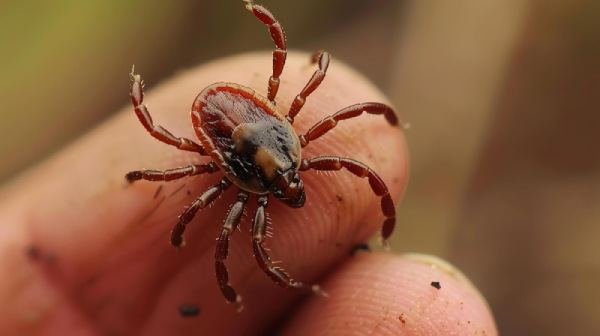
[90, 255]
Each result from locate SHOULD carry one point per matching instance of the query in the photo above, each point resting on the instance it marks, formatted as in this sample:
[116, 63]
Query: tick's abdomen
[246, 136]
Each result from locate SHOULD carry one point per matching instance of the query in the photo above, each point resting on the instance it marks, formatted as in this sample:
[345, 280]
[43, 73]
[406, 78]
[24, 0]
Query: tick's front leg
[157, 131]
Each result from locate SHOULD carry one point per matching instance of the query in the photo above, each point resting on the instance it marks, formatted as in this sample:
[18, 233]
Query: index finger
[111, 258]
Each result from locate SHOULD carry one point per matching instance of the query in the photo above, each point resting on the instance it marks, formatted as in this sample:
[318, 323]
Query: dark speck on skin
[402, 319]
[189, 310]
[436, 284]
[33, 252]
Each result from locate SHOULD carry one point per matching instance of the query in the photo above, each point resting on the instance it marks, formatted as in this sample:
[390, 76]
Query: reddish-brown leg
[158, 132]
[200, 203]
[277, 274]
[325, 125]
[231, 223]
[278, 36]
[171, 174]
[322, 59]
[361, 170]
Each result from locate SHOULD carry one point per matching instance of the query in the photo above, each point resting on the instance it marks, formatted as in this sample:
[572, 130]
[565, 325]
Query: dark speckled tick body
[254, 145]
[257, 150]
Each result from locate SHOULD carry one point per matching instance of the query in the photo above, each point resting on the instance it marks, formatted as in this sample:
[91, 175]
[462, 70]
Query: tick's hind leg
[334, 163]
[171, 174]
[278, 36]
[200, 203]
[231, 223]
[322, 59]
[158, 132]
[278, 275]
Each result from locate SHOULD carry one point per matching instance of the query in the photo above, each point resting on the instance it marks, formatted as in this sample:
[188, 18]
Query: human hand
[83, 253]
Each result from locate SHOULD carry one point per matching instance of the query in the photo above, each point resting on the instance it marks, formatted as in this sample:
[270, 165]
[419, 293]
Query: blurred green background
[502, 97]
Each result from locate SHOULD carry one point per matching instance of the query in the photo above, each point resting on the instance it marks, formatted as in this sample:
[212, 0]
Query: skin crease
[88, 254]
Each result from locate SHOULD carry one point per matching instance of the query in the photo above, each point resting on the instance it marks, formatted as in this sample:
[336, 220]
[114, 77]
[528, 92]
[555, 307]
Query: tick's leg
[361, 170]
[171, 174]
[158, 132]
[231, 223]
[325, 125]
[278, 275]
[200, 203]
[278, 36]
[322, 59]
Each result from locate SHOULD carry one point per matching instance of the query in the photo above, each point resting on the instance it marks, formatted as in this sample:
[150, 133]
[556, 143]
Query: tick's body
[258, 150]
[245, 135]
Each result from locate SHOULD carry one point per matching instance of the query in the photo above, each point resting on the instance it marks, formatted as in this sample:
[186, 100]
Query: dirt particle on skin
[402, 318]
[189, 310]
[339, 197]
[33, 252]
[436, 284]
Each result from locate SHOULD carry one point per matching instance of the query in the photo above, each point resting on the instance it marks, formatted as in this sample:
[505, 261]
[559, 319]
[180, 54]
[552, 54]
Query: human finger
[387, 294]
[108, 242]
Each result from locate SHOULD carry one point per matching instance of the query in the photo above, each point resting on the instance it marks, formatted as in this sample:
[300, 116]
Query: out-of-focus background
[503, 98]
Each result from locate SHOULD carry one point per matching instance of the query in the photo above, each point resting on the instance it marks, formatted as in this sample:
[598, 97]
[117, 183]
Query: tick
[258, 151]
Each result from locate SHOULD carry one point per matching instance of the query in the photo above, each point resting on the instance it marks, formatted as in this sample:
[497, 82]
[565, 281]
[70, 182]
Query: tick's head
[289, 189]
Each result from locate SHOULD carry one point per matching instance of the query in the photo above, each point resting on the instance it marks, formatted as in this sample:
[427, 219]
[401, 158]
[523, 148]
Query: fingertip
[388, 294]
